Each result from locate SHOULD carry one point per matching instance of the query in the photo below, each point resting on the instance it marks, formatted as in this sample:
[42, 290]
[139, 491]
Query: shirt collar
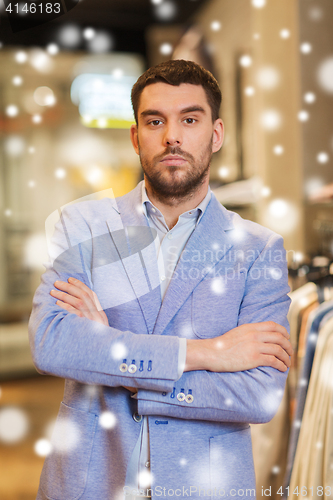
[197, 212]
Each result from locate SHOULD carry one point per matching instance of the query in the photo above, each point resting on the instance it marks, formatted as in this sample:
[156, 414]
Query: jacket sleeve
[247, 396]
[68, 346]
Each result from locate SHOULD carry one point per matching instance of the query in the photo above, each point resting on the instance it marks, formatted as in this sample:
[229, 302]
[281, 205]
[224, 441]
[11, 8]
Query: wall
[274, 77]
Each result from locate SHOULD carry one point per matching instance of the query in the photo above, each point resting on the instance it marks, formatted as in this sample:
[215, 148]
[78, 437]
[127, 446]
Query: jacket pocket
[216, 303]
[65, 470]
[231, 465]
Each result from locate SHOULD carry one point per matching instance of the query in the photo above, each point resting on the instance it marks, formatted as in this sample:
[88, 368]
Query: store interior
[65, 117]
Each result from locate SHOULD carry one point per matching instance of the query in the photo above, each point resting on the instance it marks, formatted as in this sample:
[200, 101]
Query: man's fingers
[79, 284]
[271, 326]
[68, 307]
[278, 352]
[80, 300]
[97, 303]
[72, 292]
[131, 389]
[65, 297]
[87, 308]
[269, 360]
[74, 287]
[276, 339]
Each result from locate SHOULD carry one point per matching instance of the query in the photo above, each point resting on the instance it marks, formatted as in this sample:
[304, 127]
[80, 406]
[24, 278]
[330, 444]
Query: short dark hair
[175, 72]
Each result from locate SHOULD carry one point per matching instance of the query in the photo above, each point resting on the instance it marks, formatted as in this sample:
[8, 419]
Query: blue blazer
[232, 271]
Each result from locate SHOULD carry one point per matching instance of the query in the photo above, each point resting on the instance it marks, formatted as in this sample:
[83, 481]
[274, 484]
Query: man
[170, 307]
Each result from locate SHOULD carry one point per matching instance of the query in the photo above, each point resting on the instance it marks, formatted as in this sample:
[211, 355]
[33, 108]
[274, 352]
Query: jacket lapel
[207, 245]
[136, 246]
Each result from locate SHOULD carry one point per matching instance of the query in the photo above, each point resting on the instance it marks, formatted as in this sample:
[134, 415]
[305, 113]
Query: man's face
[175, 138]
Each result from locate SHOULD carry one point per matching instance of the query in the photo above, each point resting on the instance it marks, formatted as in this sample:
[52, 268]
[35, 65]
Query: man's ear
[134, 137]
[218, 135]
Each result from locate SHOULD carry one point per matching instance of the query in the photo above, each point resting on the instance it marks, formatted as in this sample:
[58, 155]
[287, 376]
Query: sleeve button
[181, 396]
[189, 398]
[123, 367]
[132, 368]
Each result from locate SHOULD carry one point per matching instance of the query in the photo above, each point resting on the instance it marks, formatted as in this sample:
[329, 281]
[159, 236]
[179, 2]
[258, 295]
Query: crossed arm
[248, 346]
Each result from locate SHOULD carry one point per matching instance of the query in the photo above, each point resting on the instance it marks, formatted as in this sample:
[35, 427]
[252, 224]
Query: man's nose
[173, 135]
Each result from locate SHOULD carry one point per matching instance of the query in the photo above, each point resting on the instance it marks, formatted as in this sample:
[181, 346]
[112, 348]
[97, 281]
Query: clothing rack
[295, 449]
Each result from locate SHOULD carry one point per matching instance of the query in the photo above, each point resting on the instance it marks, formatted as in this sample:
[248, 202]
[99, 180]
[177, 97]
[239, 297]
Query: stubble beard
[173, 190]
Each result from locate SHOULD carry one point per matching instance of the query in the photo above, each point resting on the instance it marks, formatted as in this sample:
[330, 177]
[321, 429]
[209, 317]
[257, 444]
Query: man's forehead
[165, 95]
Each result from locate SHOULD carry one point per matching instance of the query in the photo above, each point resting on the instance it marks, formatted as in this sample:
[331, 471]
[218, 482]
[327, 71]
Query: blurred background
[66, 72]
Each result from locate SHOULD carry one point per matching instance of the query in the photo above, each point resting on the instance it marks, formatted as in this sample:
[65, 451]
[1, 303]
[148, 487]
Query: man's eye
[190, 120]
[155, 122]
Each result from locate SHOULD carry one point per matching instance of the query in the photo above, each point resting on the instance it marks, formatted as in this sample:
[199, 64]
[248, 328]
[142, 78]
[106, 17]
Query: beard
[174, 184]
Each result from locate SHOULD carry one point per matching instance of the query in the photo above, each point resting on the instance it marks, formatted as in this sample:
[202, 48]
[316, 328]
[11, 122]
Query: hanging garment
[302, 338]
[313, 465]
[270, 440]
[270, 447]
[301, 299]
[315, 319]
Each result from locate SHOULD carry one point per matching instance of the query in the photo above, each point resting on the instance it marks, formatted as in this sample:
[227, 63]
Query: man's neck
[175, 206]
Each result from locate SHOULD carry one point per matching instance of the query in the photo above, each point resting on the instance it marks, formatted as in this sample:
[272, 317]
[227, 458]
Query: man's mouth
[174, 160]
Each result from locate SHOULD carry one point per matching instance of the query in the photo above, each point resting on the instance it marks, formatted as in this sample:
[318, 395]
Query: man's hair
[175, 72]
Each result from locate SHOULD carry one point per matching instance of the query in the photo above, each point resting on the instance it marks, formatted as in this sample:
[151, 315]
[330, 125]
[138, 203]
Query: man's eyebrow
[191, 109]
[156, 112]
[150, 112]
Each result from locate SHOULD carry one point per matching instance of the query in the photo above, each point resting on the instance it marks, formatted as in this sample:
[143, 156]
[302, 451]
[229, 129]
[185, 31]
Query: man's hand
[245, 347]
[75, 297]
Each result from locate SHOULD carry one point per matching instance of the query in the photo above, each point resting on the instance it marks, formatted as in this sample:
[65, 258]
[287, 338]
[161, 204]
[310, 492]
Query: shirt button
[170, 236]
[137, 417]
[153, 209]
[162, 278]
[147, 464]
[132, 368]
[123, 367]
[189, 398]
[181, 396]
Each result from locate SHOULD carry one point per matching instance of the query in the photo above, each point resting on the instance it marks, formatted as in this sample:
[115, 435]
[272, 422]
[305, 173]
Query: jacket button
[181, 396]
[189, 398]
[137, 417]
[123, 367]
[132, 368]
